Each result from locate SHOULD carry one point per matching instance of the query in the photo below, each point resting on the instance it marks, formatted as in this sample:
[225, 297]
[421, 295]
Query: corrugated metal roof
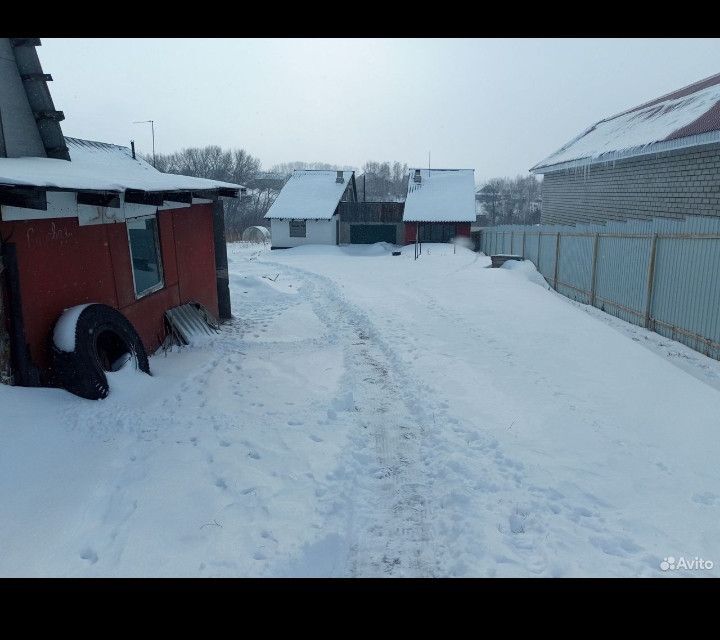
[442, 195]
[98, 166]
[687, 117]
[191, 321]
[310, 195]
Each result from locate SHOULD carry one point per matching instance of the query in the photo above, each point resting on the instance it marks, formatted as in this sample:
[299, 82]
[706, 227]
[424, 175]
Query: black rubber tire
[100, 332]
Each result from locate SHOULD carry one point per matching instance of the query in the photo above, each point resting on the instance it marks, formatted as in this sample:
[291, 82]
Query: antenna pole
[152, 126]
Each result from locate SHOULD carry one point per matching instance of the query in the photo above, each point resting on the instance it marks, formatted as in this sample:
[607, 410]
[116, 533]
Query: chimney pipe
[132, 148]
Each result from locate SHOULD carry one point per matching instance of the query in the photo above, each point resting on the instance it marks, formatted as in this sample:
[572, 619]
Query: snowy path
[365, 415]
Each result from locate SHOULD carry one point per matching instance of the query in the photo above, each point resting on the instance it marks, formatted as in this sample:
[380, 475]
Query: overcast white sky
[497, 105]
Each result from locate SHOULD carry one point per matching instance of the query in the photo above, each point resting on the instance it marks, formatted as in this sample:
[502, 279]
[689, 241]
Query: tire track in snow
[382, 511]
[458, 504]
[417, 492]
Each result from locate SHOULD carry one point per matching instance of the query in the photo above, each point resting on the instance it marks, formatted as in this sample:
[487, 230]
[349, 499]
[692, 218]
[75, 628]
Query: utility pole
[152, 127]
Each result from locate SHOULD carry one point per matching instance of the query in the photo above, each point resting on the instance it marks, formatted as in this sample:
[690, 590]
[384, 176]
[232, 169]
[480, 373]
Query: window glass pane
[297, 228]
[144, 251]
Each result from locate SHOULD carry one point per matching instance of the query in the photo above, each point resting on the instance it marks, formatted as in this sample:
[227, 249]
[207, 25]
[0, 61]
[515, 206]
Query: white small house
[306, 210]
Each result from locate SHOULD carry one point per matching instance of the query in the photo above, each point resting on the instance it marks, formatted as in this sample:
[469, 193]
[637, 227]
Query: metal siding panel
[60, 265]
[686, 294]
[195, 253]
[621, 276]
[547, 256]
[687, 288]
[575, 266]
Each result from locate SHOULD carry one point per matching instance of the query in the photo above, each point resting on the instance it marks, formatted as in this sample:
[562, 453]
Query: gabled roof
[98, 166]
[310, 195]
[442, 195]
[684, 118]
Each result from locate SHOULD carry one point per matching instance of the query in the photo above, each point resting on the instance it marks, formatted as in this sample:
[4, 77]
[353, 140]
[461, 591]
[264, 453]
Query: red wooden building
[87, 222]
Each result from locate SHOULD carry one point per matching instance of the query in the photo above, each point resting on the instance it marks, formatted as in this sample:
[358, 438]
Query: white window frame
[161, 270]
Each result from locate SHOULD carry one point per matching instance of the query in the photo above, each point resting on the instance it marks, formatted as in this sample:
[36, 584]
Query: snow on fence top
[310, 195]
[683, 118]
[98, 166]
[442, 195]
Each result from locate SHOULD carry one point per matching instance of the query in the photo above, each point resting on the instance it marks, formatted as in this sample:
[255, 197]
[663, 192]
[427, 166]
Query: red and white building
[89, 222]
[440, 204]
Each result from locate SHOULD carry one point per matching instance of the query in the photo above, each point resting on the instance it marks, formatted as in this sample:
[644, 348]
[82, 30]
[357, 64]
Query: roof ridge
[325, 170]
[436, 169]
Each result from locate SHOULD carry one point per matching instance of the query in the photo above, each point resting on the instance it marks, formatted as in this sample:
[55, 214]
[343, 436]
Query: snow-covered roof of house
[98, 166]
[687, 117]
[310, 195]
[442, 195]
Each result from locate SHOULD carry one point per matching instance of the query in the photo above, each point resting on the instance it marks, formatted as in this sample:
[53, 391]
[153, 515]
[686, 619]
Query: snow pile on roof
[683, 118]
[310, 195]
[98, 166]
[442, 195]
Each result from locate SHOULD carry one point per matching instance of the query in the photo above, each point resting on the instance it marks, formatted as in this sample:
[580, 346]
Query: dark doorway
[436, 231]
[370, 233]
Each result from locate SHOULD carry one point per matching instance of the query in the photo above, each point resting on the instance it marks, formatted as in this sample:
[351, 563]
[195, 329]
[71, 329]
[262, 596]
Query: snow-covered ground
[371, 415]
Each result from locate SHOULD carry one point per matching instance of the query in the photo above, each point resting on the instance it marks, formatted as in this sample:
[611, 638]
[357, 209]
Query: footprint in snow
[267, 535]
[616, 546]
[89, 554]
[707, 498]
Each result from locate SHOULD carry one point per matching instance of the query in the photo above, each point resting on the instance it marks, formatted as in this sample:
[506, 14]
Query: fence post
[539, 245]
[523, 246]
[557, 259]
[650, 280]
[512, 234]
[594, 269]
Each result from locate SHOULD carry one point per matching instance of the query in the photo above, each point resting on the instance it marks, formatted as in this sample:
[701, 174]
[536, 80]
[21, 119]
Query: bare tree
[383, 181]
[231, 165]
[510, 201]
[289, 167]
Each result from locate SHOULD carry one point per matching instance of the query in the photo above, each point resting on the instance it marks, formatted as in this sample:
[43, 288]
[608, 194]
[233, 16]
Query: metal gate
[370, 233]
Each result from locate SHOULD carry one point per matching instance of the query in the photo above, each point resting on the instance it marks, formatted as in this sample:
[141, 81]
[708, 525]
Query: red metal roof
[709, 121]
[684, 118]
